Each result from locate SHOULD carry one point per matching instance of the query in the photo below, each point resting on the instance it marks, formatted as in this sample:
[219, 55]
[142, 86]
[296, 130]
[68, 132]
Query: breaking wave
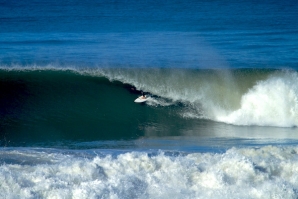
[240, 96]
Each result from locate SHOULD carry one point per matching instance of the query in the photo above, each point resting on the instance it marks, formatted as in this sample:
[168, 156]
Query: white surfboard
[141, 99]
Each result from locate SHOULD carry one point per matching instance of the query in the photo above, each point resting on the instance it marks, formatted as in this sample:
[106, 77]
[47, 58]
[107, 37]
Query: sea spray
[210, 94]
[271, 102]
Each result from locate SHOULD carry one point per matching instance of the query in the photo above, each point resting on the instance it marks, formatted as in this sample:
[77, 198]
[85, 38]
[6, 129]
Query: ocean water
[221, 120]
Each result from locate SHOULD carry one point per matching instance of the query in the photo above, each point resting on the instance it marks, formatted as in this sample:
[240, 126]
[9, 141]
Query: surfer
[143, 96]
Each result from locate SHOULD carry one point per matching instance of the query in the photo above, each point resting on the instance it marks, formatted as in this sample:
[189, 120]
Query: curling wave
[52, 103]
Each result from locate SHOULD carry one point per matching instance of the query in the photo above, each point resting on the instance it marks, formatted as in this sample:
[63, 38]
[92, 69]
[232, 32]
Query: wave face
[267, 172]
[97, 103]
[53, 104]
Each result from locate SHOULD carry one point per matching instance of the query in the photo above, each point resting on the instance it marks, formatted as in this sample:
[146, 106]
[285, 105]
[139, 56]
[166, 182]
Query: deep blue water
[221, 121]
[150, 33]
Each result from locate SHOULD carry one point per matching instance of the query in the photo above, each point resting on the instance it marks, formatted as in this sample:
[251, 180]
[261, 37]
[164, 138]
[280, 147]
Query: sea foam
[267, 172]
